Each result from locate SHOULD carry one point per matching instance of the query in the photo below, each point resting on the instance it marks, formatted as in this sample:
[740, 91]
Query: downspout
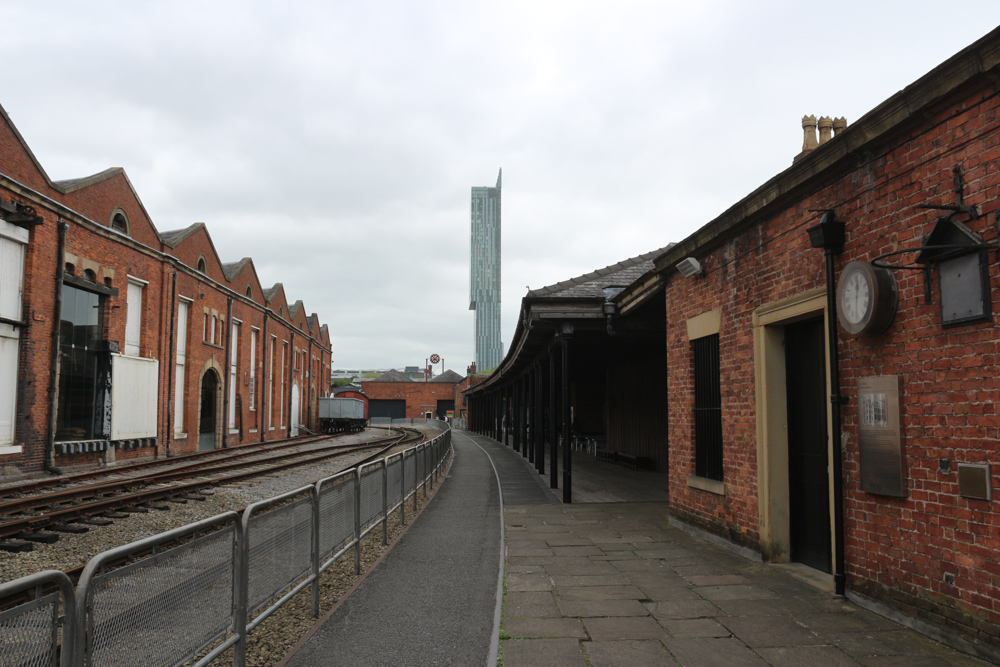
[839, 576]
[50, 444]
[228, 370]
[171, 363]
[829, 234]
[309, 376]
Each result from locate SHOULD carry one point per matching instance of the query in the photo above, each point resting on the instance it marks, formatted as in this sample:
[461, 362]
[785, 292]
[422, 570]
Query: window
[12, 242]
[281, 399]
[707, 408]
[133, 317]
[215, 326]
[180, 362]
[119, 222]
[83, 369]
[234, 346]
[249, 291]
[270, 386]
[202, 265]
[253, 369]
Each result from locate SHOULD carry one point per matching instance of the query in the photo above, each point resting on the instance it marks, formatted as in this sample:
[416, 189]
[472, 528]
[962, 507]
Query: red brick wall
[903, 551]
[113, 257]
[420, 396]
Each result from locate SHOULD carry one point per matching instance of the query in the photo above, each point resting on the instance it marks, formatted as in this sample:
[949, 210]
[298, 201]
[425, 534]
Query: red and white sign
[435, 359]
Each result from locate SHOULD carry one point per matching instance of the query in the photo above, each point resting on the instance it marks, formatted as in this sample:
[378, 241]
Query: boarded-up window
[12, 242]
[133, 397]
[234, 346]
[133, 320]
[180, 363]
[253, 369]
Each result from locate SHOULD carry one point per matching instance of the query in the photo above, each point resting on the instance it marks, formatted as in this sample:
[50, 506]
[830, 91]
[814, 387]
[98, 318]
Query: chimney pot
[839, 125]
[809, 130]
[825, 129]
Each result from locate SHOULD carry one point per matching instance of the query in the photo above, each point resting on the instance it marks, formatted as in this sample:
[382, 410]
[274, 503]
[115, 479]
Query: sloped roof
[72, 184]
[269, 292]
[293, 310]
[175, 236]
[392, 375]
[232, 269]
[449, 376]
[591, 285]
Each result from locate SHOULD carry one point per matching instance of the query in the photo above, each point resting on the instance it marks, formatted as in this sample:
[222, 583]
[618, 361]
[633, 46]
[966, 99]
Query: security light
[689, 266]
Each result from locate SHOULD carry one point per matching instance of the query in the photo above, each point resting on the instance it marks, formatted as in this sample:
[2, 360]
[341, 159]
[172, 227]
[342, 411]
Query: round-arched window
[119, 222]
[202, 264]
[249, 291]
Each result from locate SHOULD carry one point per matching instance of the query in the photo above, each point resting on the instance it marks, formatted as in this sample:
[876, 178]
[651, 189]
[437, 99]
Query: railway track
[40, 517]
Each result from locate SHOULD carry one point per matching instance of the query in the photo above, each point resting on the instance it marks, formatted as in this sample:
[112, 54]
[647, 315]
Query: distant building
[484, 283]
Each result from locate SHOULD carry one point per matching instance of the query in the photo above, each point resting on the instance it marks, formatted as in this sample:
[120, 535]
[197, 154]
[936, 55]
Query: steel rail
[28, 524]
[190, 470]
[220, 454]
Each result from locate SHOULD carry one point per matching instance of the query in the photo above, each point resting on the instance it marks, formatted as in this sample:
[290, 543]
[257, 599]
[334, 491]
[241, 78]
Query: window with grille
[707, 408]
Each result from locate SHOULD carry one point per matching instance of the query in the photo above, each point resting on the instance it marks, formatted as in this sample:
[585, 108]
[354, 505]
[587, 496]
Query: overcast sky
[336, 143]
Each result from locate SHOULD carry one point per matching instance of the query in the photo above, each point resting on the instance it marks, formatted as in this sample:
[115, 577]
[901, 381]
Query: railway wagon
[342, 415]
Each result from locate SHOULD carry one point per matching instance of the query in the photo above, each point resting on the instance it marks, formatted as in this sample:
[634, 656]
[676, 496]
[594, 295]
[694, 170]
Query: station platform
[599, 584]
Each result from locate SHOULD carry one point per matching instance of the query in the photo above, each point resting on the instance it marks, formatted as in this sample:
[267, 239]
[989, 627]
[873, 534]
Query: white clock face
[857, 297]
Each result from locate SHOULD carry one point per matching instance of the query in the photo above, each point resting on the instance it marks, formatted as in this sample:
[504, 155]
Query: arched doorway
[208, 422]
[295, 412]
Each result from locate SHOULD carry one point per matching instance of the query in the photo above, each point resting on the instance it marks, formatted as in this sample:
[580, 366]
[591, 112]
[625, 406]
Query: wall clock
[866, 298]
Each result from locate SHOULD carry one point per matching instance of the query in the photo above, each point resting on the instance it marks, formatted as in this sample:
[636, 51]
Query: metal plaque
[879, 436]
[974, 481]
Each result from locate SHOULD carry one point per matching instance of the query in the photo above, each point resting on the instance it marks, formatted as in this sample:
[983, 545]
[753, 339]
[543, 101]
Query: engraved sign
[879, 436]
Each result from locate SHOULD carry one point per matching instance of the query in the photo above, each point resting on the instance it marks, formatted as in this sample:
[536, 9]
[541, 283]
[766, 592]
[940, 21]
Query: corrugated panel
[133, 397]
[341, 408]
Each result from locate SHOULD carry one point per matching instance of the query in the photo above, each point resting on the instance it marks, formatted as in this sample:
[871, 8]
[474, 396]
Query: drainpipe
[50, 444]
[227, 365]
[829, 235]
[171, 363]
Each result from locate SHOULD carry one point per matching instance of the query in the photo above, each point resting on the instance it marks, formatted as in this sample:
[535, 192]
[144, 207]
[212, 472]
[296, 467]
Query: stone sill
[704, 484]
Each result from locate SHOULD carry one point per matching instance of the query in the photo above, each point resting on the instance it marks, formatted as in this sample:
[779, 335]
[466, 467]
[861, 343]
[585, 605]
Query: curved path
[433, 600]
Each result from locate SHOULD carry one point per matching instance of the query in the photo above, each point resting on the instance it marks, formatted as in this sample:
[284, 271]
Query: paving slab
[700, 652]
[797, 656]
[648, 653]
[542, 653]
[544, 627]
[694, 627]
[600, 608]
[615, 629]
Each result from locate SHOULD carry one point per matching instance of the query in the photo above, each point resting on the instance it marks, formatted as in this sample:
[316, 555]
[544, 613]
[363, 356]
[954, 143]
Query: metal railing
[230, 572]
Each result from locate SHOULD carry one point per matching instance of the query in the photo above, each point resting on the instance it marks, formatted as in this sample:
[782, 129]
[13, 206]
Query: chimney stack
[828, 129]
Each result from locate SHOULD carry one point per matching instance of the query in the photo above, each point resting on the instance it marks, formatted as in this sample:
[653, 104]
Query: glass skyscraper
[484, 283]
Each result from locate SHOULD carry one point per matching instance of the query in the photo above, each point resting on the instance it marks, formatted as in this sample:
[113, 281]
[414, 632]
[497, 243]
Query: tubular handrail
[166, 578]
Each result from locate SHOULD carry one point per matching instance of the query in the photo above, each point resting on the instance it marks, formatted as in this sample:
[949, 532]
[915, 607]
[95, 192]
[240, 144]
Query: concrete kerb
[491, 658]
[361, 579]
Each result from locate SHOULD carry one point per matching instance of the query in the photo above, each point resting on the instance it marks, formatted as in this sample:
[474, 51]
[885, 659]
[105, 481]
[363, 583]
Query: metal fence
[173, 602]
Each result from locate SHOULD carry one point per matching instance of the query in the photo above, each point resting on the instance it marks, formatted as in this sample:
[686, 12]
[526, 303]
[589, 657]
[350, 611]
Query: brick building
[119, 341]
[892, 492]
[831, 360]
[394, 395]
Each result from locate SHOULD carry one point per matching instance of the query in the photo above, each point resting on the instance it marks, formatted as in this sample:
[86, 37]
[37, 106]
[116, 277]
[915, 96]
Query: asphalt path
[432, 600]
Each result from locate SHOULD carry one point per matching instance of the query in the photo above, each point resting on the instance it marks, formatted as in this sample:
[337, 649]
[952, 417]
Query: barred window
[707, 408]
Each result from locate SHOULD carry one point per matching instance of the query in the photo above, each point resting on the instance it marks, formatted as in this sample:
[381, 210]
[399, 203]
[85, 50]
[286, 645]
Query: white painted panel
[134, 383]
[8, 383]
[11, 274]
[182, 327]
[233, 356]
[179, 400]
[133, 320]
